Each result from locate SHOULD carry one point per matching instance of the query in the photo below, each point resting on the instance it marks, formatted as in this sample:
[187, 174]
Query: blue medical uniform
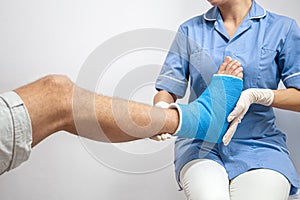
[268, 47]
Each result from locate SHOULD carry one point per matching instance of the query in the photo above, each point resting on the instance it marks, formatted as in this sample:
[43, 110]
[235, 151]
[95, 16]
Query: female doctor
[256, 163]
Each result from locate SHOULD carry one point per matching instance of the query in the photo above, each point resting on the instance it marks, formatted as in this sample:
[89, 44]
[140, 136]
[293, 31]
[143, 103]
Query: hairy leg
[55, 103]
[47, 101]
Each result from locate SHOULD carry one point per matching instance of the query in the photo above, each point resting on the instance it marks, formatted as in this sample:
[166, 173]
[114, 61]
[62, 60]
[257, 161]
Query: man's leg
[33, 112]
[206, 117]
[54, 103]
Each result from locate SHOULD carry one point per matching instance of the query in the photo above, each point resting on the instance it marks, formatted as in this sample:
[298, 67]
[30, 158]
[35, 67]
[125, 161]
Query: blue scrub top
[268, 47]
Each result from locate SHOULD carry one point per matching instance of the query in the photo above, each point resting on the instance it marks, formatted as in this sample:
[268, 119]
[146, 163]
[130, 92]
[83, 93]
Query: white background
[39, 37]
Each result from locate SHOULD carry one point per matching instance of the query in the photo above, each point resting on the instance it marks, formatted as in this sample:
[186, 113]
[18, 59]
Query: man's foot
[206, 117]
[231, 67]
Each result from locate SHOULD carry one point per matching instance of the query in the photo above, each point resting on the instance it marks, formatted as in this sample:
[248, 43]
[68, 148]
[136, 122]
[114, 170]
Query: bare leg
[54, 103]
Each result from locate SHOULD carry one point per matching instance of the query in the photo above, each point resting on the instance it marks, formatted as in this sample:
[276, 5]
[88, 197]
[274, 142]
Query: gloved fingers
[235, 117]
[165, 136]
[238, 118]
[162, 137]
[230, 132]
[156, 137]
[162, 104]
[240, 109]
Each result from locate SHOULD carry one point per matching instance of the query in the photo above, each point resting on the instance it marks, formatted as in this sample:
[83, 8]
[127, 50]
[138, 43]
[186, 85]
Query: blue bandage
[206, 117]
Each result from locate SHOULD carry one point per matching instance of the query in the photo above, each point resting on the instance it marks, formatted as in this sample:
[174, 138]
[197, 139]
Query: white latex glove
[164, 136]
[248, 97]
[162, 104]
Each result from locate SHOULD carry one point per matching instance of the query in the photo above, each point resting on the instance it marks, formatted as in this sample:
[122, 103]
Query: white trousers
[205, 179]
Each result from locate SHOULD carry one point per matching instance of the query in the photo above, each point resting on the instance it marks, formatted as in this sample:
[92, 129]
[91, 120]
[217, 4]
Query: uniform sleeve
[289, 58]
[174, 74]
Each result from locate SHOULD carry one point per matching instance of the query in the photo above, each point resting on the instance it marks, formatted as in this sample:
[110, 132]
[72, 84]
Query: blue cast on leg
[206, 117]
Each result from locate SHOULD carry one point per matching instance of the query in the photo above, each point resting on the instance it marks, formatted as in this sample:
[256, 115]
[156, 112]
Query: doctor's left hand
[260, 96]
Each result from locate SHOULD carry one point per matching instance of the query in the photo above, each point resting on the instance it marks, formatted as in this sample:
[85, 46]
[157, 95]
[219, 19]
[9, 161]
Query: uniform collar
[256, 12]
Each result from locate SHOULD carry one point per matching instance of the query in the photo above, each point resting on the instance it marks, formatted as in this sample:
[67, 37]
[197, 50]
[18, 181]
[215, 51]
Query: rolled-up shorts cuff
[15, 132]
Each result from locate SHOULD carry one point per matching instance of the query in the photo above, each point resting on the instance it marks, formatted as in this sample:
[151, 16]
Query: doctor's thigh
[205, 179]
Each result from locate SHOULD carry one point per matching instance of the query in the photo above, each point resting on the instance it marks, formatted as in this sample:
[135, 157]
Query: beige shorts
[15, 132]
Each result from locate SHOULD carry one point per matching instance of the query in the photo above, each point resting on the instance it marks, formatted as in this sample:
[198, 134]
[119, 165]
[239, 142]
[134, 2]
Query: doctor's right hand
[259, 96]
[164, 136]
